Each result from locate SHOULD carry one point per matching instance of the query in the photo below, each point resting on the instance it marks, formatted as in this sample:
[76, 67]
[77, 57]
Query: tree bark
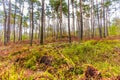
[42, 23]
[69, 33]
[92, 18]
[104, 19]
[60, 18]
[107, 31]
[5, 20]
[100, 28]
[81, 21]
[21, 19]
[74, 33]
[32, 25]
[8, 29]
[14, 22]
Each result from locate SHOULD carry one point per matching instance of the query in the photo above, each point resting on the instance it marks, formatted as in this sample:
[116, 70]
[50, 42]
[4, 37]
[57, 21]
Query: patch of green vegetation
[114, 30]
[100, 53]
[107, 69]
[31, 63]
[13, 74]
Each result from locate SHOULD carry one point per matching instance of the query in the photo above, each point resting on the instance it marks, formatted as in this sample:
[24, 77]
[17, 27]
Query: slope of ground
[60, 61]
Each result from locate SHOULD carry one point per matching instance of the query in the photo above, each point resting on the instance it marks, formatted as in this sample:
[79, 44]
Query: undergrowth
[69, 61]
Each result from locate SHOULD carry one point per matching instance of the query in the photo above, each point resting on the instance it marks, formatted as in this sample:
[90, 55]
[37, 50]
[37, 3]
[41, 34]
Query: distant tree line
[56, 19]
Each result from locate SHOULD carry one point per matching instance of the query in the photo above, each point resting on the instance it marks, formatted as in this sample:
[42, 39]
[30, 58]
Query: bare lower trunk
[81, 21]
[104, 19]
[5, 20]
[98, 17]
[92, 19]
[107, 33]
[74, 33]
[69, 23]
[32, 26]
[14, 22]
[8, 29]
[20, 29]
[42, 23]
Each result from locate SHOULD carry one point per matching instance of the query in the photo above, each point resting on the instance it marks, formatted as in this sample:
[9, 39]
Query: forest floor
[98, 59]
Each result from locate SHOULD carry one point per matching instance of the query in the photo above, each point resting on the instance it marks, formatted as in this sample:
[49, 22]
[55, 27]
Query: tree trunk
[100, 28]
[39, 30]
[5, 20]
[32, 25]
[60, 18]
[69, 22]
[81, 21]
[42, 23]
[92, 19]
[107, 31]
[8, 29]
[74, 33]
[57, 27]
[104, 19]
[21, 18]
[14, 22]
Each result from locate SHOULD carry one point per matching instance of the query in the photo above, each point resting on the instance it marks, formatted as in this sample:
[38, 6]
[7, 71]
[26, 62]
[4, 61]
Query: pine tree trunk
[107, 31]
[100, 28]
[5, 20]
[74, 33]
[39, 30]
[32, 25]
[81, 21]
[14, 22]
[69, 22]
[104, 20]
[92, 19]
[42, 23]
[60, 18]
[21, 19]
[8, 29]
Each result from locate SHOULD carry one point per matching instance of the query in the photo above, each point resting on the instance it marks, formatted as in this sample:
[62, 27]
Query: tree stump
[92, 73]
[47, 60]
